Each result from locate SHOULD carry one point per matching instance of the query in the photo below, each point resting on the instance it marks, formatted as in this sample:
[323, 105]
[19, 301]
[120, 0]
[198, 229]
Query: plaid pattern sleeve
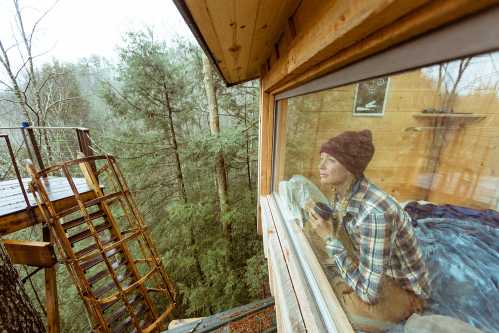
[365, 277]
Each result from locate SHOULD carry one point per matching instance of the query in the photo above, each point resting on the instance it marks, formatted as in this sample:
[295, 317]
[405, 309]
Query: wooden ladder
[106, 247]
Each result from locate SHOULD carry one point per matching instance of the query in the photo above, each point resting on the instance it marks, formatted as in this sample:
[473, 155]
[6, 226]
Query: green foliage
[136, 110]
[210, 272]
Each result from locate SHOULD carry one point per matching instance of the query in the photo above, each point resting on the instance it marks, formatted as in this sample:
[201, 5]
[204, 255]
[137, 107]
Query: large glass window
[435, 168]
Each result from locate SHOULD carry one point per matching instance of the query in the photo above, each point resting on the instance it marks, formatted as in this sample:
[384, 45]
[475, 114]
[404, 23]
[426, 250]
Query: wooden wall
[408, 162]
[469, 170]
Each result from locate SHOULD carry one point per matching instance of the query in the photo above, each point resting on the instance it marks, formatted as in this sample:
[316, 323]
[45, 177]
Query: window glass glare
[410, 206]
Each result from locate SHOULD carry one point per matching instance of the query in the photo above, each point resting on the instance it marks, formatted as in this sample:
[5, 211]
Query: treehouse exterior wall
[282, 72]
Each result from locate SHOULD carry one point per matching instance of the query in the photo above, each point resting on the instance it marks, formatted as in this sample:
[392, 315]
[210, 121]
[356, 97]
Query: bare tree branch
[9, 100]
[62, 101]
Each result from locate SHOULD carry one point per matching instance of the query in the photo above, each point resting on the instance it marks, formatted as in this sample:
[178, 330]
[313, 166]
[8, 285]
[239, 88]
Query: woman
[381, 278]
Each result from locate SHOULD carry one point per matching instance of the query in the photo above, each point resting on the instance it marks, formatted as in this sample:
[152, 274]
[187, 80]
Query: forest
[186, 143]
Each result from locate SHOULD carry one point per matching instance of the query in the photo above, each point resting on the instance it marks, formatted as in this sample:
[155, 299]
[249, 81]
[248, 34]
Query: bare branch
[5, 84]
[8, 100]
[61, 101]
[40, 19]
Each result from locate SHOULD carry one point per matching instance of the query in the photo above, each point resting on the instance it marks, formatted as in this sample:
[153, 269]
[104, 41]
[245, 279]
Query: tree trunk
[220, 171]
[17, 314]
[4, 59]
[463, 64]
[180, 175]
[248, 157]
[441, 126]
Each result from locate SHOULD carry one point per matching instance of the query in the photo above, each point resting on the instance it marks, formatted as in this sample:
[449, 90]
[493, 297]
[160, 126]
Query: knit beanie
[352, 149]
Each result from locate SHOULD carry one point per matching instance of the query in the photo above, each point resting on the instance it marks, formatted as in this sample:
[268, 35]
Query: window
[436, 139]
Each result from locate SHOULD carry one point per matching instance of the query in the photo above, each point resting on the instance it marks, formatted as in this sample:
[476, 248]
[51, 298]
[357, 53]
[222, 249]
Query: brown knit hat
[352, 149]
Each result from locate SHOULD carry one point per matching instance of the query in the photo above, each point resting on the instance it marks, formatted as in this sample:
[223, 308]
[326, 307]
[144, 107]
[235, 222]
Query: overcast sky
[75, 29]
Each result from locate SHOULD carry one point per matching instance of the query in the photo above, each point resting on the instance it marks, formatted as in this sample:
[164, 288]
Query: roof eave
[186, 14]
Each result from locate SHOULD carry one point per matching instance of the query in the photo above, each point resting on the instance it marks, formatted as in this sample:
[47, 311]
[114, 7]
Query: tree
[17, 314]
[149, 82]
[450, 75]
[221, 175]
[38, 93]
[25, 83]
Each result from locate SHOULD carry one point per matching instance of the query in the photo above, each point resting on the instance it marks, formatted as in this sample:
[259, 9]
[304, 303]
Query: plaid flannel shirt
[383, 237]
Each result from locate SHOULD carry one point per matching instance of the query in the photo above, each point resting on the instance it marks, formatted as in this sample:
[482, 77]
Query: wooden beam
[31, 253]
[261, 142]
[334, 41]
[280, 153]
[265, 142]
[51, 299]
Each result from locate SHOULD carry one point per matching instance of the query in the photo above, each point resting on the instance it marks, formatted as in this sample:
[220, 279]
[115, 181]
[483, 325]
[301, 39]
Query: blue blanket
[461, 250]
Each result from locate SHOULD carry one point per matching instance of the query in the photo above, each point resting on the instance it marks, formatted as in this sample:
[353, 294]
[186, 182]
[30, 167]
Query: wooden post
[280, 153]
[83, 135]
[36, 149]
[51, 301]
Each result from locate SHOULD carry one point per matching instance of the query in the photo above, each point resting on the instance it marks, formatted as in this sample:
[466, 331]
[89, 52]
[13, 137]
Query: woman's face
[331, 171]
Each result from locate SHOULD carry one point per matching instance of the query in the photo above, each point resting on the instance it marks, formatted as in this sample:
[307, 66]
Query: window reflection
[418, 227]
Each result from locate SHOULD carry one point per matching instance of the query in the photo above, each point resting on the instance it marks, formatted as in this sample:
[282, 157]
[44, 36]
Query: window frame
[449, 43]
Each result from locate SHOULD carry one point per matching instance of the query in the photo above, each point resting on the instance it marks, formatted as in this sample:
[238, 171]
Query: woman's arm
[365, 277]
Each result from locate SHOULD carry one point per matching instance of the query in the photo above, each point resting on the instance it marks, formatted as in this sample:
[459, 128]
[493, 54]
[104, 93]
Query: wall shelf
[463, 116]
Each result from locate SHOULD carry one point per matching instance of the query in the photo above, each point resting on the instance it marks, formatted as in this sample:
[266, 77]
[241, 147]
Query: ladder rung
[108, 245]
[106, 306]
[122, 326]
[102, 290]
[76, 222]
[96, 277]
[91, 248]
[109, 198]
[91, 263]
[122, 309]
[87, 233]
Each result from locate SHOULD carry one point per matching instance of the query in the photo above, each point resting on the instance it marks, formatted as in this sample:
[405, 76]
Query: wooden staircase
[106, 247]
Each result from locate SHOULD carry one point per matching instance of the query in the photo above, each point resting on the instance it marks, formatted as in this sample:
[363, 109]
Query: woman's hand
[319, 225]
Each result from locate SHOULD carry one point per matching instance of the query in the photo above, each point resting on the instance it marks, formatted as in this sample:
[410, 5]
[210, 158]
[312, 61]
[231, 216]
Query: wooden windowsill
[304, 298]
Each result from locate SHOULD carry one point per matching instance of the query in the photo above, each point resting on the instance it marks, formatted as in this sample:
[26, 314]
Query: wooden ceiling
[238, 35]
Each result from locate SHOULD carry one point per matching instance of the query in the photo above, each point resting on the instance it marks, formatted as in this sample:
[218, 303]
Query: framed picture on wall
[370, 97]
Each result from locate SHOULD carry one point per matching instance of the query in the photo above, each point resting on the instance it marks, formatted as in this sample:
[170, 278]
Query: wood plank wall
[469, 170]
[404, 162]
[328, 35]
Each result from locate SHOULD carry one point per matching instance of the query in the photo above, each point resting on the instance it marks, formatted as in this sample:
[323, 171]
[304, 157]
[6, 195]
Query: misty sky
[75, 29]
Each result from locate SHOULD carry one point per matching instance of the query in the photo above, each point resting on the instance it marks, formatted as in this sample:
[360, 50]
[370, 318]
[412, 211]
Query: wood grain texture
[402, 25]
[12, 201]
[265, 142]
[241, 34]
[20, 220]
[289, 314]
[31, 253]
[282, 251]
